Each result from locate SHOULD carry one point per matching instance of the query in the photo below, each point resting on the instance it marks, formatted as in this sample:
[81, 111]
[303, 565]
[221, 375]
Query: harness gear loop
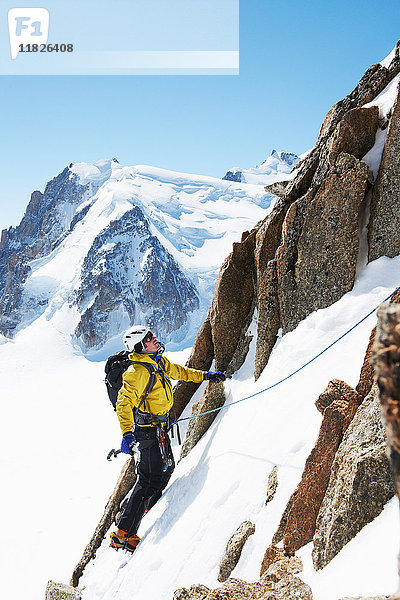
[162, 443]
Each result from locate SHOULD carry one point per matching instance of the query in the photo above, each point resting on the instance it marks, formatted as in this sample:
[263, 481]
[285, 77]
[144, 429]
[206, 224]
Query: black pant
[151, 481]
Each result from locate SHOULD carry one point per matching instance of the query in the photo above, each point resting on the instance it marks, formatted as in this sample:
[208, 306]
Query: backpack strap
[152, 372]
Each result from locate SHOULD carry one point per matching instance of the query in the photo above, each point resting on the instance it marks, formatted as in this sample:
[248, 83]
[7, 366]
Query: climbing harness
[270, 387]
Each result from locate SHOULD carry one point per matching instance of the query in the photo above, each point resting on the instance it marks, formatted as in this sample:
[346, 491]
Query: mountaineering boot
[117, 539]
[131, 543]
[120, 539]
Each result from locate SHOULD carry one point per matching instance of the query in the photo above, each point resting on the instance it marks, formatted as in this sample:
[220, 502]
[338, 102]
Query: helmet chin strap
[161, 350]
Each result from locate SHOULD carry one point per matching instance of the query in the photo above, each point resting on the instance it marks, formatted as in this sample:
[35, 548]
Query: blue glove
[215, 376]
[127, 441]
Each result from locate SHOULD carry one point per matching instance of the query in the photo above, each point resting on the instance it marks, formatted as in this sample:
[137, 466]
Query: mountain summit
[119, 244]
[277, 167]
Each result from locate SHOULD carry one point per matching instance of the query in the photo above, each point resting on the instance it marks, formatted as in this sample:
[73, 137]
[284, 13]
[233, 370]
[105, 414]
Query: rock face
[279, 582]
[355, 133]
[59, 591]
[200, 358]
[302, 516]
[47, 217]
[385, 357]
[233, 299]
[366, 380]
[228, 319]
[268, 238]
[272, 555]
[337, 390]
[305, 252]
[128, 276]
[384, 224]
[317, 260]
[360, 483]
[234, 549]
[374, 80]
[272, 485]
[213, 398]
[233, 176]
[370, 598]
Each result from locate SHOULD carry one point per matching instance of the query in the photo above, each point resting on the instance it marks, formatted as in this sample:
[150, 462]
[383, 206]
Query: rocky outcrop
[277, 189]
[200, 358]
[374, 80]
[306, 250]
[317, 260]
[386, 360]
[370, 598]
[355, 133]
[232, 301]
[268, 238]
[360, 483]
[128, 276]
[227, 322]
[317, 234]
[42, 227]
[59, 591]
[336, 390]
[212, 399]
[279, 582]
[366, 380]
[233, 176]
[384, 223]
[234, 549]
[272, 485]
[268, 317]
[279, 533]
[272, 554]
[195, 592]
[302, 517]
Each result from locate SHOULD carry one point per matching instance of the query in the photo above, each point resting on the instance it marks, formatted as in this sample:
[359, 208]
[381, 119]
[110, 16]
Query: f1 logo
[26, 26]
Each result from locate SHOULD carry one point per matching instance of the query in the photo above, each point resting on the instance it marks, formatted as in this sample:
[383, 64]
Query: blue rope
[291, 374]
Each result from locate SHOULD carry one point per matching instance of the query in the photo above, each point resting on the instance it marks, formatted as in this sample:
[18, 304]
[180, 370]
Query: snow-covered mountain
[277, 167]
[121, 244]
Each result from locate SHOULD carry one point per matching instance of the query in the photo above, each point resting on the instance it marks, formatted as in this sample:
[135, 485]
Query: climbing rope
[270, 387]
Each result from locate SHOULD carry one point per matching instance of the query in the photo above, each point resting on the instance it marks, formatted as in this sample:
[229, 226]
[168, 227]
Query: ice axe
[113, 454]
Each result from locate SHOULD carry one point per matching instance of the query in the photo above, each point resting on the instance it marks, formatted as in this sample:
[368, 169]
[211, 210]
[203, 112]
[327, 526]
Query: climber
[143, 405]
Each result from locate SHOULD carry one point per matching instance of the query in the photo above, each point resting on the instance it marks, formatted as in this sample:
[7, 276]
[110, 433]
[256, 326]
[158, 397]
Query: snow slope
[57, 428]
[223, 480]
[187, 212]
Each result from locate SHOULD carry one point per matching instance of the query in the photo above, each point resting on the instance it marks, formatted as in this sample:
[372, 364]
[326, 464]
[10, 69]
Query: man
[143, 417]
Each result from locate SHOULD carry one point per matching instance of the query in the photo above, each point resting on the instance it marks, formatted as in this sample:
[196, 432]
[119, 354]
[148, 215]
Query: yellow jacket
[160, 399]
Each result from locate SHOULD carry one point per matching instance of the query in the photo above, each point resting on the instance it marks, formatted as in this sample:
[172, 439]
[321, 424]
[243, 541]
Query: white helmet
[135, 335]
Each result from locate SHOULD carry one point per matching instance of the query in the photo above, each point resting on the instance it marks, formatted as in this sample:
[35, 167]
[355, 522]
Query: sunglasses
[148, 337]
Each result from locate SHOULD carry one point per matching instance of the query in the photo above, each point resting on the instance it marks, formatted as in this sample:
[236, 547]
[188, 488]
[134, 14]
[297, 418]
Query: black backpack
[115, 366]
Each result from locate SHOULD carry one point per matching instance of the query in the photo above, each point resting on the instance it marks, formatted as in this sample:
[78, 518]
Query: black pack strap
[152, 372]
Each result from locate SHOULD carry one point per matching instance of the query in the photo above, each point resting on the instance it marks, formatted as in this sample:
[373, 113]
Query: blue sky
[296, 61]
